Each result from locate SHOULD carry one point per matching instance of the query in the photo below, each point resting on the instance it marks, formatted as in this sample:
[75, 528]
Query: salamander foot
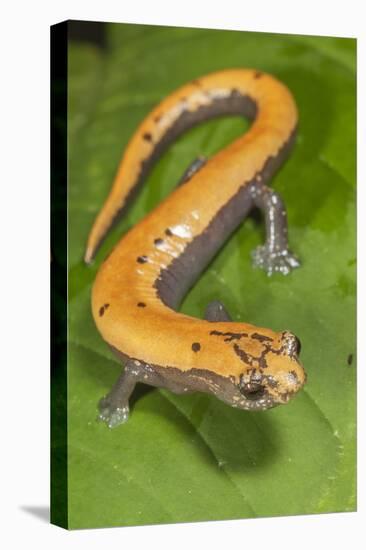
[111, 414]
[113, 408]
[279, 261]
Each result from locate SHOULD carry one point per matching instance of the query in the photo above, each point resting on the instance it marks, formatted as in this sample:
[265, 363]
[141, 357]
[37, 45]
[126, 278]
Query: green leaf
[191, 457]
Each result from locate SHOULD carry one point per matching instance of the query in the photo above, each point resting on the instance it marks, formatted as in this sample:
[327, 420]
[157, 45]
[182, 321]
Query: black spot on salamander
[102, 310]
[142, 259]
[147, 136]
[168, 232]
[141, 304]
[196, 346]
[261, 337]
[229, 336]
[350, 359]
[258, 74]
[158, 242]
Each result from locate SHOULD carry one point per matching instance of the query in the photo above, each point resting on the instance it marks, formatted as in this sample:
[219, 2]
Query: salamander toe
[279, 261]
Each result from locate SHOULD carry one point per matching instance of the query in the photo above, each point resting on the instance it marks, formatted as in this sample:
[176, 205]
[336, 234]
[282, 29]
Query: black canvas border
[59, 87]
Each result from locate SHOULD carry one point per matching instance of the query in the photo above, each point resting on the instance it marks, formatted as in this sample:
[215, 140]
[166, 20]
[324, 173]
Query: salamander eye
[297, 345]
[252, 390]
[291, 343]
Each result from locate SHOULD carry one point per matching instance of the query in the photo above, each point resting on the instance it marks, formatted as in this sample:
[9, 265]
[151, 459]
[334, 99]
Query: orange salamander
[140, 285]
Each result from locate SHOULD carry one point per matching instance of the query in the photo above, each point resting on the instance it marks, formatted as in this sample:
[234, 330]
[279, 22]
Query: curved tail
[234, 91]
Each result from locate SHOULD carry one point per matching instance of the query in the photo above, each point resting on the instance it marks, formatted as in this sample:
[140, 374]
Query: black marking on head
[243, 355]
[102, 310]
[142, 259]
[229, 336]
[168, 232]
[196, 346]
[147, 136]
[262, 359]
[141, 304]
[249, 359]
[158, 242]
[350, 359]
[258, 74]
[277, 351]
[261, 337]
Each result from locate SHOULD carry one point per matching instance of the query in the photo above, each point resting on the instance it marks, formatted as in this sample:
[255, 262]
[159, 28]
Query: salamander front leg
[274, 255]
[114, 409]
[216, 312]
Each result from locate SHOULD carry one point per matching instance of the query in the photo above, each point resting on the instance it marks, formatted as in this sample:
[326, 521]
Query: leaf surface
[191, 457]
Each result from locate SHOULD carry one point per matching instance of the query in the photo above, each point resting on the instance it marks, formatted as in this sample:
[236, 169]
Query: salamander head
[272, 377]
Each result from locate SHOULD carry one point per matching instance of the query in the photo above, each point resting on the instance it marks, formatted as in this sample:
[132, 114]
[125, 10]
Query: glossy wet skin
[139, 287]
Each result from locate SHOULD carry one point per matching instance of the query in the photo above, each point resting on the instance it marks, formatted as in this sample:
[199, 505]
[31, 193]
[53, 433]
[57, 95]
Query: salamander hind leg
[274, 255]
[216, 312]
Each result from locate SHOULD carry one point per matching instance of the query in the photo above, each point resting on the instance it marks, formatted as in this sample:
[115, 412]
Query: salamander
[140, 285]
